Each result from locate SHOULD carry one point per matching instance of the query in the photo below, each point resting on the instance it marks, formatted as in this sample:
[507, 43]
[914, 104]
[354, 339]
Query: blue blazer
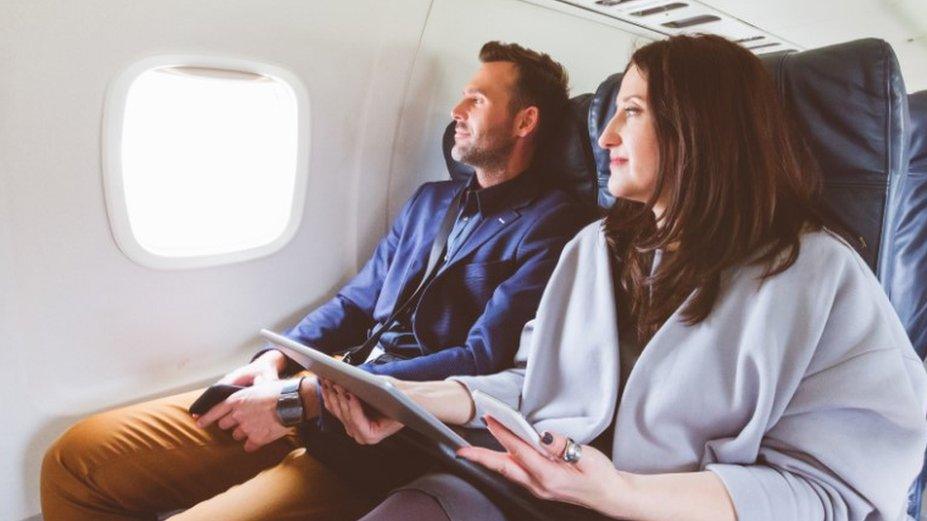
[471, 314]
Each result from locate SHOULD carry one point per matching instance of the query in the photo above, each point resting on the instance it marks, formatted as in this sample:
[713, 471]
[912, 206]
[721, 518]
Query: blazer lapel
[487, 229]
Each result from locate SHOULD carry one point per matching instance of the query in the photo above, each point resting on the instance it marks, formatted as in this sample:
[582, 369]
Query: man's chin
[459, 154]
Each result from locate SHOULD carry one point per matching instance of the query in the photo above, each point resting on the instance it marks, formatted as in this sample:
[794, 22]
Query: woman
[724, 355]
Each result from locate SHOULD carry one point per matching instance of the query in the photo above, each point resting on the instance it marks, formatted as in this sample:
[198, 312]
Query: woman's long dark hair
[740, 184]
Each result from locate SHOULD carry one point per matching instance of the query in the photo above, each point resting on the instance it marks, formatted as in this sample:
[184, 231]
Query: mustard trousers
[144, 460]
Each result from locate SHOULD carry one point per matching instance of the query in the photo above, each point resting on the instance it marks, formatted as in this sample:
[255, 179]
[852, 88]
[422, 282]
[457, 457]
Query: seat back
[850, 102]
[565, 161]
[909, 278]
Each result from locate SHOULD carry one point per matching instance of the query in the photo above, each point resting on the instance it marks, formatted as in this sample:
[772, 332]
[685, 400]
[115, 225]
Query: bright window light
[207, 163]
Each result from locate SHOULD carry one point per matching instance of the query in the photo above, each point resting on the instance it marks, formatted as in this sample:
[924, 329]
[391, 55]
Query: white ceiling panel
[902, 23]
[797, 24]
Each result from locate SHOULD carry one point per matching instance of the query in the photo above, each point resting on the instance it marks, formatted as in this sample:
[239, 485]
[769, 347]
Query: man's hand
[264, 368]
[252, 413]
[367, 428]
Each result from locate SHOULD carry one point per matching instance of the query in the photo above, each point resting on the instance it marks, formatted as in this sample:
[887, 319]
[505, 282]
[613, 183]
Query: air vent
[655, 19]
[765, 45]
[660, 9]
[691, 22]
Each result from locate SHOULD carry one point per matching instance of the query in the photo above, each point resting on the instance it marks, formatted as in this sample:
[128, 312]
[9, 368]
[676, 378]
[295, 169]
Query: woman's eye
[631, 111]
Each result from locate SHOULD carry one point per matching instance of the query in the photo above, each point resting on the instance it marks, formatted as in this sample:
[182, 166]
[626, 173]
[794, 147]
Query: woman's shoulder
[589, 236]
[826, 268]
[593, 231]
[826, 253]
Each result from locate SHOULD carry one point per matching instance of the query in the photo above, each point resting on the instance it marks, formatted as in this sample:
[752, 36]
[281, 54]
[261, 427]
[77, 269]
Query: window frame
[111, 152]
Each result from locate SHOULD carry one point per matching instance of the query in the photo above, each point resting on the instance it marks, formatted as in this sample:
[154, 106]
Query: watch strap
[290, 403]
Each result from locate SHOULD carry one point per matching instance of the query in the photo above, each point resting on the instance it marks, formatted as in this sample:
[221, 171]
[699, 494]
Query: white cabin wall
[84, 328]
[455, 31]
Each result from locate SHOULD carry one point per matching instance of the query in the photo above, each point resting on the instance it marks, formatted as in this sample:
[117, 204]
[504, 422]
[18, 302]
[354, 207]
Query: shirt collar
[511, 193]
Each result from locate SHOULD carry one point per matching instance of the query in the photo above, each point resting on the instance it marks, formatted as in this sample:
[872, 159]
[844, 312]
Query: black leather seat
[909, 279]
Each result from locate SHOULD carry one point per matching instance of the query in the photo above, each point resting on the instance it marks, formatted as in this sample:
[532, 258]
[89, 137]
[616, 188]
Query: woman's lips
[618, 161]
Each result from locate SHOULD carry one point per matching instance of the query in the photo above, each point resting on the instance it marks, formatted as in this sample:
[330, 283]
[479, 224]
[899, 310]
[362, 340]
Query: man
[502, 236]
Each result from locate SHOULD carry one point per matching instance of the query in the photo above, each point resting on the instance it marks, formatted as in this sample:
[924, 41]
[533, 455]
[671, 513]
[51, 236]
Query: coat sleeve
[839, 461]
[343, 321]
[850, 437]
[493, 339]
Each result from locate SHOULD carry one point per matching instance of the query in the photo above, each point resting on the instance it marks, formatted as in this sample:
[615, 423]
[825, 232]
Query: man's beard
[492, 152]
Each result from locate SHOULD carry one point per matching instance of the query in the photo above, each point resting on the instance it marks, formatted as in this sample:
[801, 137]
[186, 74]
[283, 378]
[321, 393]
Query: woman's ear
[527, 121]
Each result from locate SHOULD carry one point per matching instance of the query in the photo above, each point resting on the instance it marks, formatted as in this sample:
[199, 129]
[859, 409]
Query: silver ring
[572, 452]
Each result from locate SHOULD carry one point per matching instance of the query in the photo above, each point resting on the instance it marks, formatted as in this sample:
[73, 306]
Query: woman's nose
[609, 138]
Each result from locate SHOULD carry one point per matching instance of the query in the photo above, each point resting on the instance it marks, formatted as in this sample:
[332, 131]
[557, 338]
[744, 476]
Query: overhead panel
[672, 17]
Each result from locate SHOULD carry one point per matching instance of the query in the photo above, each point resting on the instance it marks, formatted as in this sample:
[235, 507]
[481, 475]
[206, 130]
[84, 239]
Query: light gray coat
[803, 393]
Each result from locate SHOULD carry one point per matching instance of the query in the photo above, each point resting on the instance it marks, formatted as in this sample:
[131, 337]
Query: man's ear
[527, 121]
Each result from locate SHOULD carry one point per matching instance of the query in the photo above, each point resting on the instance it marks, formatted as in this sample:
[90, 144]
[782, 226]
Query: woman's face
[631, 140]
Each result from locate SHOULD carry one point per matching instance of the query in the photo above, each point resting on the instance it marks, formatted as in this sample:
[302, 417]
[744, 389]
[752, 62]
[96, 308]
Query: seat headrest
[909, 279]
[564, 161]
[850, 103]
[601, 111]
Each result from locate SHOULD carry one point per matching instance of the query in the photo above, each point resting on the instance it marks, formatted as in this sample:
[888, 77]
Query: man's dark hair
[542, 82]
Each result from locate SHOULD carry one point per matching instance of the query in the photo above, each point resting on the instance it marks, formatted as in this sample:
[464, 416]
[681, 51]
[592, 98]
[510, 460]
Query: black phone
[212, 396]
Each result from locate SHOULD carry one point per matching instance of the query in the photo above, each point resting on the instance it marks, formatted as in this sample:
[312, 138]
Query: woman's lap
[439, 497]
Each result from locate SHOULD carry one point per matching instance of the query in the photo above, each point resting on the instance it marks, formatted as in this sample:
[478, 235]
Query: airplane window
[205, 166]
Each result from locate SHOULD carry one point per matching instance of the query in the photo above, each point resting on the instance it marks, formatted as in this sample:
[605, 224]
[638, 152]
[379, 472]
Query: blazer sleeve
[850, 437]
[493, 339]
[343, 321]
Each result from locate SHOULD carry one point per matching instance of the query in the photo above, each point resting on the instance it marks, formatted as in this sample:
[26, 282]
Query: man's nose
[457, 112]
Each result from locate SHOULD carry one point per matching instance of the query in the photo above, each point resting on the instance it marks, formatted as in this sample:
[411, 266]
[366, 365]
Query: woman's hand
[366, 426]
[587, 482]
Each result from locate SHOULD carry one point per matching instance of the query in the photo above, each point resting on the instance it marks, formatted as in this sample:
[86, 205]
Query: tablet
[512, 419]
[374, 390]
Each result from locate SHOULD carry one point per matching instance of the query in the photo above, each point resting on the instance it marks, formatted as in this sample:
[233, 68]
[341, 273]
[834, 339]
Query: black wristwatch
[290, 404]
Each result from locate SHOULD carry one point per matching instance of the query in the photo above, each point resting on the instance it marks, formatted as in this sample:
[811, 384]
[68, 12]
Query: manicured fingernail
[547, 438]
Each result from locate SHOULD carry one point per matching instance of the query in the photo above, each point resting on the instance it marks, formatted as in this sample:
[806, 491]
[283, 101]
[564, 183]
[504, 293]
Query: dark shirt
[477, 203]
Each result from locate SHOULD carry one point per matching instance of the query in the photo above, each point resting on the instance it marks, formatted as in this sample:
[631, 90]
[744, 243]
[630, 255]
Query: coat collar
[513, 194]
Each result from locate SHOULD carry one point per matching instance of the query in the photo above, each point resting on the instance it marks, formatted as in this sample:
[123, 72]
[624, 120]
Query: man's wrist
[309, 391]
[274, 358]
[290, 403]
